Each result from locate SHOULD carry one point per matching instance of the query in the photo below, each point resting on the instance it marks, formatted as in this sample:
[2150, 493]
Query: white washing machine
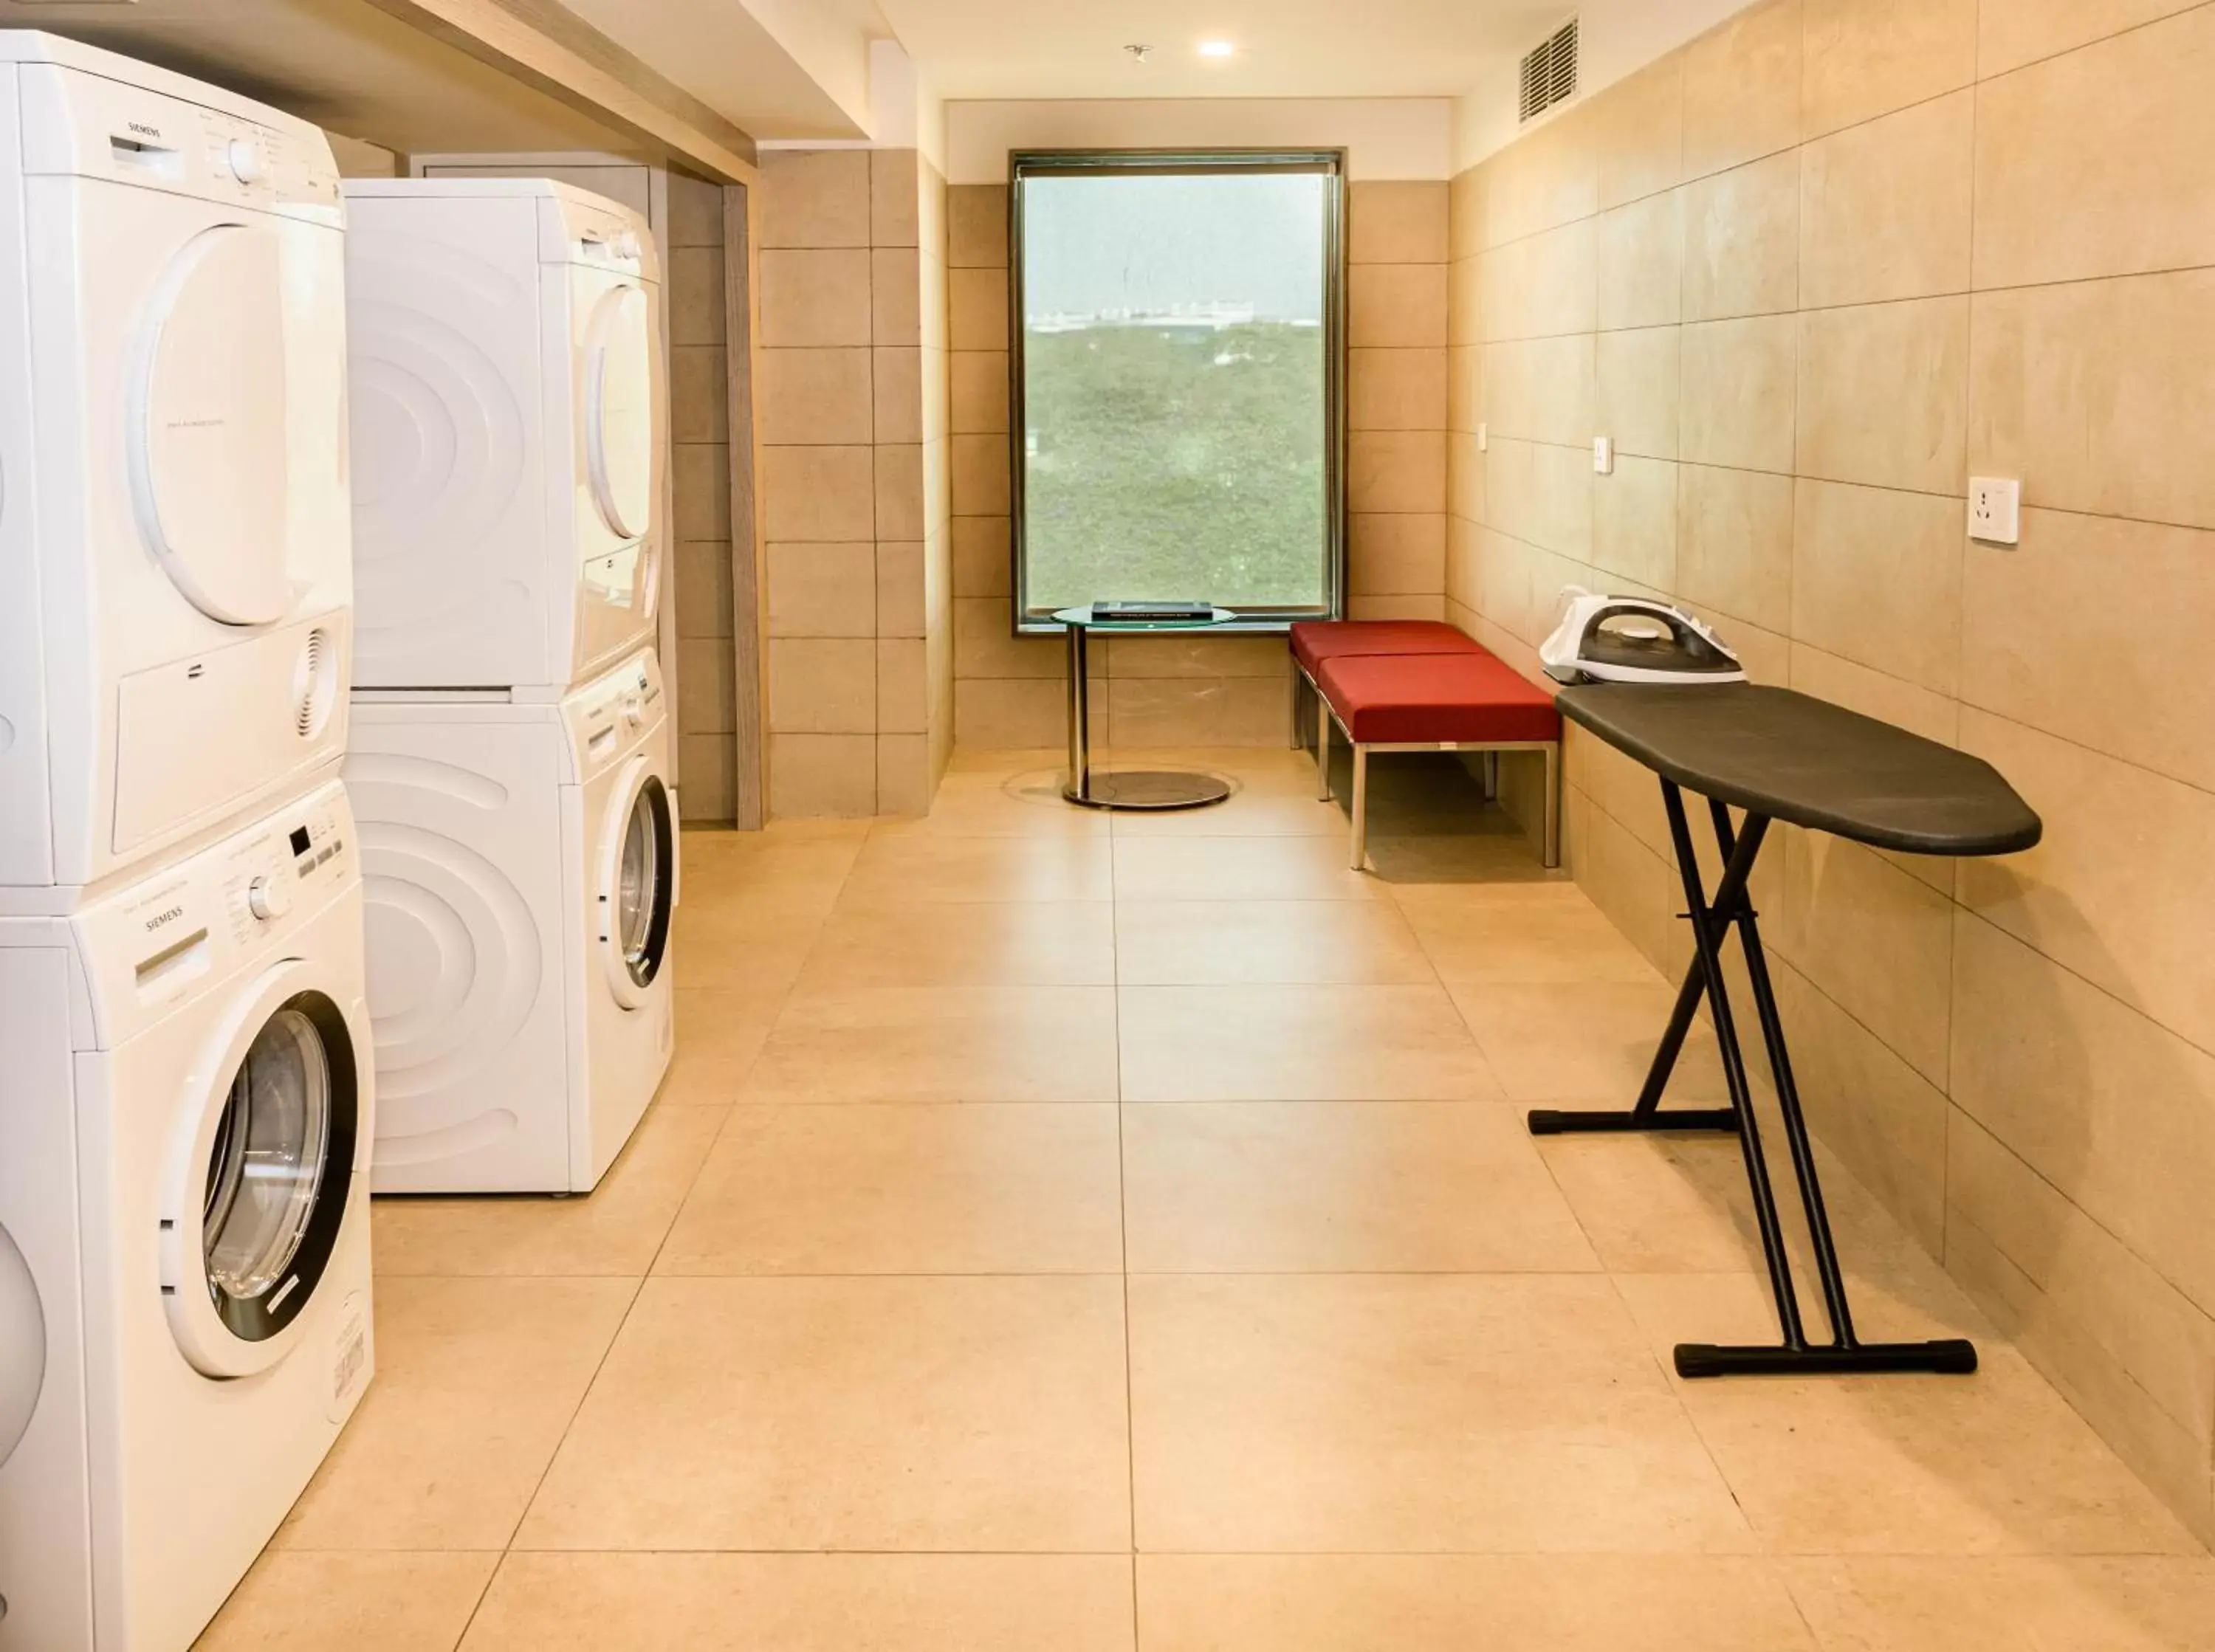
[521, 873]
[174, 518]
[509, 442]
[186, 1104]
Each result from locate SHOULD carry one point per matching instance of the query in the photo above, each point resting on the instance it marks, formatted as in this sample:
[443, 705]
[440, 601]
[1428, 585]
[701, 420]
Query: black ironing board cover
[1779, 753]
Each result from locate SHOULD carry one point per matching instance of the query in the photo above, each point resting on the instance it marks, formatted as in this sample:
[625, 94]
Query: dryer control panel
[612, 714]
[575, 227]
[149, 942]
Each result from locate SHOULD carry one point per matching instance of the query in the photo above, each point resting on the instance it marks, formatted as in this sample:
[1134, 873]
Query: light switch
[1996, 510]
[1603, 456]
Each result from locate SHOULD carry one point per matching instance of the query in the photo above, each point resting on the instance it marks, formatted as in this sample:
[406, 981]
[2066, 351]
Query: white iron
[1601, 639]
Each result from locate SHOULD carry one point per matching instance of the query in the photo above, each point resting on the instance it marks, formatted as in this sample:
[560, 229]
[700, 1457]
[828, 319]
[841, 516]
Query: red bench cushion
[1418, 699]
[1316, 640]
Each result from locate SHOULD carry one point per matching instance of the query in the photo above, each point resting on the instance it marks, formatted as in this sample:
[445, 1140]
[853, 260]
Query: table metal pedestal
[1126, 788]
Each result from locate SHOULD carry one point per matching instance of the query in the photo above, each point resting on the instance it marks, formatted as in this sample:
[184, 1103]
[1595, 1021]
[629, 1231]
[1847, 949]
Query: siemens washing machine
[185, 1113]
[174, 513]
[521, 867]
[509, 438]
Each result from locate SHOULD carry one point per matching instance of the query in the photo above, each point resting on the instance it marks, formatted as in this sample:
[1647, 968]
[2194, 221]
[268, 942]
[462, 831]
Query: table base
[1146, 788]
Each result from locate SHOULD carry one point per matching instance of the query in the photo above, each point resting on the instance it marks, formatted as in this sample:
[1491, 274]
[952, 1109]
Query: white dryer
[521, 867]
[185, 1106]
[509, 439]
[174, 518]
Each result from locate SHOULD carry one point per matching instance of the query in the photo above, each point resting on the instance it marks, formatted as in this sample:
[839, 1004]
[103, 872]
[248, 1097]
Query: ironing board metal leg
[1361, 805]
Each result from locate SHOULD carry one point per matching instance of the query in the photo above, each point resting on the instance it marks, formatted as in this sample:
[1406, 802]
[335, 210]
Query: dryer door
[206, 424]
[619, 409]
[637, 882]
[262, 1172]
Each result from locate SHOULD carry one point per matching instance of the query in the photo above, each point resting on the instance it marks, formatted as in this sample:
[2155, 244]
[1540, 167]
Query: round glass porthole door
[206, 431]
[266, 1187]
[642, 891]
[619, 411]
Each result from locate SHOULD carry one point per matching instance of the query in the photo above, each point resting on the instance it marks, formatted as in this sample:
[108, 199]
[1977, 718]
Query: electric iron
[1602, 638]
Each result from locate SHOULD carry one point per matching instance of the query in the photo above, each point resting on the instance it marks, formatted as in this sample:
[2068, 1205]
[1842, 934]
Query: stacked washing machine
[510, 753]
[186, 1098]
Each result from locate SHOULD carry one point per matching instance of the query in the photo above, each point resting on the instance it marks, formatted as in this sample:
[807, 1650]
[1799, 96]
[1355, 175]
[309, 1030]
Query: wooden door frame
[749, 551]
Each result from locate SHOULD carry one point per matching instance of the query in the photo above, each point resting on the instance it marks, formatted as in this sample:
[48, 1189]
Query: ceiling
[1285, 48]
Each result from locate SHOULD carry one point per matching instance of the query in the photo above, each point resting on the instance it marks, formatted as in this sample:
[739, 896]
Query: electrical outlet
[1483, 439]
[1603, 456]
[1996, 510]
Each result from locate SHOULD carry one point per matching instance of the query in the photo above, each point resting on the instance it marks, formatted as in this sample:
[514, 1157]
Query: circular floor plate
[1149, 788]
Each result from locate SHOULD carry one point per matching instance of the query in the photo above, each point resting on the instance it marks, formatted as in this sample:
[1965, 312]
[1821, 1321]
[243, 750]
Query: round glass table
[1125, 788]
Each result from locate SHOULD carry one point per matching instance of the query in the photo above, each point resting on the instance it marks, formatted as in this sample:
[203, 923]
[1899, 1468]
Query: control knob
[243, 156]
[268, 898]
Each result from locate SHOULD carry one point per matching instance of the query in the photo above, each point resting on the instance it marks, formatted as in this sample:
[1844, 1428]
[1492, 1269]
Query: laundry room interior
[956, 826]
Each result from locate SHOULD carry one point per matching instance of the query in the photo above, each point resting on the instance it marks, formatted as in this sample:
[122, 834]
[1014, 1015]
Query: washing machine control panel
[609, 716]
[600, 234]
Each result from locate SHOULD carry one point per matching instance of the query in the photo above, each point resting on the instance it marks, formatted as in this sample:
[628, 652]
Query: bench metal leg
[1361, 805]
[1322, 747]
[1551, 852]
[1489, 776]
[1292, 708]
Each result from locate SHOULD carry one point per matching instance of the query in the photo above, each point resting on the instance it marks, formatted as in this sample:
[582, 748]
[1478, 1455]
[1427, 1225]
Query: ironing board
[1776, 755]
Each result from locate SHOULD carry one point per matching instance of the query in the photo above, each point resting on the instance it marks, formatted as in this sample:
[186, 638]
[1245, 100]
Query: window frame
[1330, 164]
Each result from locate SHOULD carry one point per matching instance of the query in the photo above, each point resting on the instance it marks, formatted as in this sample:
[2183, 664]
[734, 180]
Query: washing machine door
[619, 409]
[261, 1173]
[637, 884]
[206, 424]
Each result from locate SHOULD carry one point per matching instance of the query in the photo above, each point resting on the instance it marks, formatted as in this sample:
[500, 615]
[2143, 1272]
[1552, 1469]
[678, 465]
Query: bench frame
[1327, 714]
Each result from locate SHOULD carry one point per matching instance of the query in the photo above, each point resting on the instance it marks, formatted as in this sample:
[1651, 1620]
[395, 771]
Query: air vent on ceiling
[1550, 71]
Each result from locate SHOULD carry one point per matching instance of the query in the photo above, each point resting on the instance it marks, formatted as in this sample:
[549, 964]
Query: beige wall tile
[2092, 1095]
[703, 574]
[1465, 477]
[1868, 58]
[2096, 163]
[1395, 608]
[1742, 89]
[2118, 887]
[1542, 390]
[899, 505]
[814, 298]
[1550, 178]
[699, 393]
[1396, 390]
[896, 388]
[812, 398]
[2013, 33]
[1634, 531]
[981, 556]
[895, 297]
[1198, 657]
[1876, 941]
[980, 383]
[707, 794]
[903, 691]
[1397, 555]
[822, 590]
[822, 776]
[818, 492]
[2081, 389]
[979, 475]
[1876, 578]
[1640, 262]
[819, 685]
[1464, 386]
[985, 646]
[978, 302]
[1873, 694]
[696, 213]
[977, 226]
[903, 599]
[1740, 393]
[1884, 395]
[1394, 470]
[1638, 385]
[702, 484]
[895, 198]
[1014, 714]
[1465, 280]
[1742, 241]
[1638, 130]
[903, 777]
[1395, 223]
[1884, 208]
[2082, 629]
[1391, 305]
[1541, 287]
[695, 295]
[1465, 214]
[1735, 543]
[815, 197]
[703, 684]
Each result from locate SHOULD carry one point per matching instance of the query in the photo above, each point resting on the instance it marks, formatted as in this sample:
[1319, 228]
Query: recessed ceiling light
[1216, 48]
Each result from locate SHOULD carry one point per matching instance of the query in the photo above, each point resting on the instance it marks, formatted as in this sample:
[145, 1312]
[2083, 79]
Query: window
[1177, 374]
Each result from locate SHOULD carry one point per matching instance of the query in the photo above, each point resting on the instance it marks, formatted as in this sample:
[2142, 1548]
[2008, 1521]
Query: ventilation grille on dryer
[314, 684]
[1550, 71]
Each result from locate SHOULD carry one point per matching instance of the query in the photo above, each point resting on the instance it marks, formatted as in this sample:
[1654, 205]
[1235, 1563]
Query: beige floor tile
[1202, 943]
[1463, 1603]
[889, 1414]
[786, 853]
[905, 1189]
[1455, 860]
[477, 1379]
[1278, 806]
[1297, 1043]
[1040, 869]
[1584, 1041]
[293, 1602]
[1928, 1604]
[941, 1043]
[719, 1034]
[1238, 869]
[878, 940]
[1307, 1187]
[1529, 932]
[615, 1229]
[1992, 1463]
[1026, 804]
[745, 945]
[1491, 1414]
[806, 1603]
[1002, 762]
